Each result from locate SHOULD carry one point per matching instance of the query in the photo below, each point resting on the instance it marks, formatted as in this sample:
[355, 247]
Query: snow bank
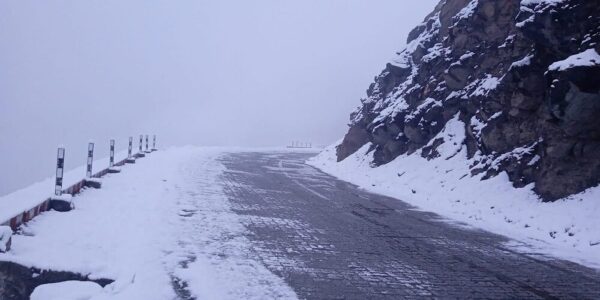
[68, 290]
[567, 228]
[118, 232]
[26, 198]
[134, 231]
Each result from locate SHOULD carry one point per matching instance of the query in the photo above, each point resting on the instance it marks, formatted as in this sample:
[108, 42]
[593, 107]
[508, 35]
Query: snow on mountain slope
[567, 228]
[491, 110]
[522, 75]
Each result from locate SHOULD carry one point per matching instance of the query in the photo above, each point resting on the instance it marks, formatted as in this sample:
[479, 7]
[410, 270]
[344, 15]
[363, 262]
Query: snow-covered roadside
[160, 221]
[213, 256]
[568, 228]
[28, 197]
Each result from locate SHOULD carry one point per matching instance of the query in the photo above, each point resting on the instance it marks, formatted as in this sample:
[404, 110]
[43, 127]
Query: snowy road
[203, 223]
[329, 239]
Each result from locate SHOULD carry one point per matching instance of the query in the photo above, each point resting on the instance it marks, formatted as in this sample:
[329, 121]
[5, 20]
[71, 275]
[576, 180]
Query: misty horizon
[299, 149]
[218, 74]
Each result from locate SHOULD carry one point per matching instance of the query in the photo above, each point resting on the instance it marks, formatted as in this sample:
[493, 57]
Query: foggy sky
[229, 73]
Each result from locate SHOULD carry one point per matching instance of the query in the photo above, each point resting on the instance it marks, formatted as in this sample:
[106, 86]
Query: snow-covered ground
[568, 228]
[161, 224]
[28, 197]
[163, 227]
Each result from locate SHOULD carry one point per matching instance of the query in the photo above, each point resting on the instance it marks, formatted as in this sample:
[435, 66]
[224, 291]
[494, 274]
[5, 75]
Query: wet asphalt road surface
[331, 240]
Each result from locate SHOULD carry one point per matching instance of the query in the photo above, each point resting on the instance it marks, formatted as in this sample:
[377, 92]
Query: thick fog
[219, 73]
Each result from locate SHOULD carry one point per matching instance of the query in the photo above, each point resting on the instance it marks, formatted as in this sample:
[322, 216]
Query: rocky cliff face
[524, 77]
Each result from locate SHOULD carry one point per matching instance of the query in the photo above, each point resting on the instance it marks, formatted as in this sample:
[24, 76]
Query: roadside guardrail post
[140, 151]
[89, 181]
[130, 159]
[141, 142]
[111, 162]
[60, 201]
[60, 167]
[90, 160]
[130, 147]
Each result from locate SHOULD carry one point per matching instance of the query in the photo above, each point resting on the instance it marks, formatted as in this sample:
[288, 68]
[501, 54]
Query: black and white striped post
[89, 181]
[154, 142]
[60, 202]
[60, 167]
[147, 150]
[140, 151]
[130, 159]
[111, 162]
[130, 147]
[90, 159]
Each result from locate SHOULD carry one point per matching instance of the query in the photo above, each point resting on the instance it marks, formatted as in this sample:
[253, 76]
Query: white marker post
[141, 142]
[147, 144]
[60, 166]
[130, 159]
[111, 162]
[140, 152]
[90, 159]
[154, 142]
[89, 181]
[130, 147]
[60, 202]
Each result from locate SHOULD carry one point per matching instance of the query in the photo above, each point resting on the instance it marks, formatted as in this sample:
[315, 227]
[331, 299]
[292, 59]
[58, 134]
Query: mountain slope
[522, 76]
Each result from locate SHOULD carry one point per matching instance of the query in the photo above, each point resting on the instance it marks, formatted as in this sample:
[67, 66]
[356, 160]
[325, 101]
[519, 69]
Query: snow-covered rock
[587, 58]
[521, 74]
[61, 203]
[114, 170]
[93, 182]
[66, 290]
